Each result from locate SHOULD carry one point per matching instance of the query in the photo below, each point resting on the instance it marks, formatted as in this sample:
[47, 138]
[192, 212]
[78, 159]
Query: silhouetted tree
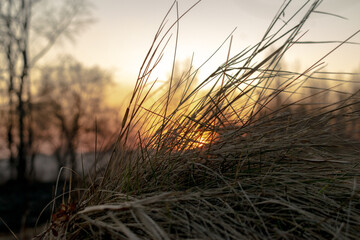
[29, 28]
[70, 98]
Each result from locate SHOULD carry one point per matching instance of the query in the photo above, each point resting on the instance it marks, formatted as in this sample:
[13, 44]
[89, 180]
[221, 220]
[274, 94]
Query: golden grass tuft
[225, 162]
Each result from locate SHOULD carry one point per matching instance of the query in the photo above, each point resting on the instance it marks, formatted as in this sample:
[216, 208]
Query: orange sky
[124, 30]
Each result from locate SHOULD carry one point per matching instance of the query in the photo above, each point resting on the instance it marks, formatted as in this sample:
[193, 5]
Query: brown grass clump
[224, 162]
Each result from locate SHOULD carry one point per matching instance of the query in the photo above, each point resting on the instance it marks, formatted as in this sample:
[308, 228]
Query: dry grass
[224, 162]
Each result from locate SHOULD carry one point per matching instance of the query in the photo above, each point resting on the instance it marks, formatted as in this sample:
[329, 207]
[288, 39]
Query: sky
[124, 29]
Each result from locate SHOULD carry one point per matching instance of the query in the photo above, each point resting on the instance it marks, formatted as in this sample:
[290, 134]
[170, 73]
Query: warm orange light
[201, 139]
[202, 142]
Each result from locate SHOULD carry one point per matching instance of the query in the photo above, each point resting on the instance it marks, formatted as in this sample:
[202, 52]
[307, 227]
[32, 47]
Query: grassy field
[243, 154]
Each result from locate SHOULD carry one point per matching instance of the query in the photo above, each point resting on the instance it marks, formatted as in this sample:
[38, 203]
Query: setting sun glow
[200, 139]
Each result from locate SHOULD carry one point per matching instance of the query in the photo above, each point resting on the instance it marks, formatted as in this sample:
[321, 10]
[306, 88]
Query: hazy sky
[124, 30]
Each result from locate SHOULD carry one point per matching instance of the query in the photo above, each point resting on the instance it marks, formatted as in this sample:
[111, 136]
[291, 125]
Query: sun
[202, 142]
[201, 139]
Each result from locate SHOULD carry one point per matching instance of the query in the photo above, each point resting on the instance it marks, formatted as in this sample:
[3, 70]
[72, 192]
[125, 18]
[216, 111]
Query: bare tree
[29, 28]
[72, 97]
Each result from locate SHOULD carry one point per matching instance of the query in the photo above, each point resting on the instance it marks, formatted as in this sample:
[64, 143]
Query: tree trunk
[72, 153]
[21, 167]
[11, 63]
[10, 127]
[22, 149]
